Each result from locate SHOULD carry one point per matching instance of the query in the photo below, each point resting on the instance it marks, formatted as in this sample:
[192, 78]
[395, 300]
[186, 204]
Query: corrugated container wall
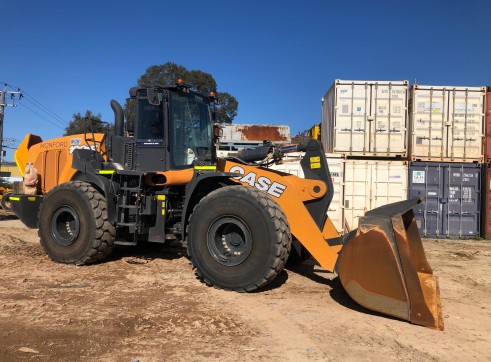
[452, 193]
[370, 184]
[291, 164]
[447, 123]
[487, 202]
[365, 118]
[487, 126]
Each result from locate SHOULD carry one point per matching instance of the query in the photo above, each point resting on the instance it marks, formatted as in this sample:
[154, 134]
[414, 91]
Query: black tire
[5, 201]
[73, 224]
[238, 239]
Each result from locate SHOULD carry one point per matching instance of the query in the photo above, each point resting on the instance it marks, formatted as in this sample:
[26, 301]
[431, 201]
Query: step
[125, 188]
[126, 224]
[125, 242]
[128, 206]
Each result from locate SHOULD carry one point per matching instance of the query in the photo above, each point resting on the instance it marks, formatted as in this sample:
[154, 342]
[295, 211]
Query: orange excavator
[157, 179]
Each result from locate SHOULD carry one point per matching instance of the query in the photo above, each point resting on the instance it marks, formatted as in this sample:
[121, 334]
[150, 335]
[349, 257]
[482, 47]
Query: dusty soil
[144, 304]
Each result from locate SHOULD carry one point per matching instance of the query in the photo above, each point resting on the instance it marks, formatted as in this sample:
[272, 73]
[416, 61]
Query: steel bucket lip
[395, 208]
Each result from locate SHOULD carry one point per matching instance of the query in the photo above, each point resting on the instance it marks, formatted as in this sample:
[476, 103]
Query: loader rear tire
[73, 224]
[238, 239]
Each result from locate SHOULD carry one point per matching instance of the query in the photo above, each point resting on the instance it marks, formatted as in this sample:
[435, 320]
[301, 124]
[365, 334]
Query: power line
[40, 115]
[41, 107]
[4, 103]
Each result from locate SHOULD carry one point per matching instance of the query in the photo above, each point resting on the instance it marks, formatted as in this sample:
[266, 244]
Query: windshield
[190, 125]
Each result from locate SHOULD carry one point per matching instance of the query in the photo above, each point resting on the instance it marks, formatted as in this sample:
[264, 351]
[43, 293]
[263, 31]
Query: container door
[357, 185]
[429, 107]
[352, 109]
[487, 126]
[465, 125]
[388, 183]
[387, 123]
[426, 180]
[487, 202]
[462, 200]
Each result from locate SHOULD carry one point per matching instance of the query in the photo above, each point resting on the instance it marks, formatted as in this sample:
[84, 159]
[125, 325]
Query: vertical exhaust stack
[118, 118]
[384, 267]
[115, 149]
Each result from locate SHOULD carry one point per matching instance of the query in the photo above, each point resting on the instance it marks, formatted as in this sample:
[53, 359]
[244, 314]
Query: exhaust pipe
[118, 118]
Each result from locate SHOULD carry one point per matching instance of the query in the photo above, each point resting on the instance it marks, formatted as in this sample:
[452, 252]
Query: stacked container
[487, 168]
[452, 193]
[432, 136]
[446, 153]
[446, 123]
[369, 184]
[365, 118]
[367, 123]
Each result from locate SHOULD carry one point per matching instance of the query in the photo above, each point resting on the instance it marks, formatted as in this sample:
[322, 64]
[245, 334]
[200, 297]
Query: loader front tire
[238, 239]
[73, 224]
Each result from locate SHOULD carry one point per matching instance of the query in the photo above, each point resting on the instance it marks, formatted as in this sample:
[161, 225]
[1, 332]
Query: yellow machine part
[314, 132]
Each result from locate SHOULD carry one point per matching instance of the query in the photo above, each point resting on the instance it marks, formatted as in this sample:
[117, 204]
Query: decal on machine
[82, 147]
[262, 183]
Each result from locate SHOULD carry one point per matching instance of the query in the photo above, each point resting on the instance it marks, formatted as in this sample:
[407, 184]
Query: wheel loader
[157, 178]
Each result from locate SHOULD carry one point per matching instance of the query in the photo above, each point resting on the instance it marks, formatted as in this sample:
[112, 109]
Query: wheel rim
[65, 226]
[229, 241]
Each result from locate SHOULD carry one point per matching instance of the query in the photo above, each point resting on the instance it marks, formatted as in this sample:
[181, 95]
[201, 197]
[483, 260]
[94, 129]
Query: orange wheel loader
[157, 179]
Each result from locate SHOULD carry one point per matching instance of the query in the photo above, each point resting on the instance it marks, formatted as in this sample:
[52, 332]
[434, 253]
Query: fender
[201, 185]
[87, 162]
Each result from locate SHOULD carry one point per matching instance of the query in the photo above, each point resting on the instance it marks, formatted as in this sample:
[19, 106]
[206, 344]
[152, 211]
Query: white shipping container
[370, 184]
[366, 118]
[291, 164]
[447, 123]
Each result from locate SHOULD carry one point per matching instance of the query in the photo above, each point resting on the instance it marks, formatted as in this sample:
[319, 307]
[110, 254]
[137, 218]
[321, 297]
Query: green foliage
[202, 82]
[163, 75]
[227, 108]
[81, 124]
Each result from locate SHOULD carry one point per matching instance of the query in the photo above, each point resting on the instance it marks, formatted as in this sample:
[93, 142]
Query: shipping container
[291, 164]
[486, 220]
[446, 123]
[487, 126]
[366, 118]
[369, 184]
[244, 135]
[452, 192]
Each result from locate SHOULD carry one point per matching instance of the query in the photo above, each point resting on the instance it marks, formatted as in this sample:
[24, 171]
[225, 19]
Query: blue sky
[278, 58]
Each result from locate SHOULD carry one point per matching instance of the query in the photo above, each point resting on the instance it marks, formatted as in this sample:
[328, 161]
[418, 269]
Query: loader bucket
[383, 266]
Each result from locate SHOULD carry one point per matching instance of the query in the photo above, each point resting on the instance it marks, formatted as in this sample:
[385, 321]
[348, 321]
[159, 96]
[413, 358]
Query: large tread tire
[5, 201]
[238, 239]
[73, 224]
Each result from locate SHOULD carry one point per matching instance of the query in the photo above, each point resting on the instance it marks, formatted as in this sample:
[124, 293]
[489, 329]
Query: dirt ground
[144, 304]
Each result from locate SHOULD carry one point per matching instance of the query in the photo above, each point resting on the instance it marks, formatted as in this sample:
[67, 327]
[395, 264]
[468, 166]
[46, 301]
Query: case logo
[262, 183]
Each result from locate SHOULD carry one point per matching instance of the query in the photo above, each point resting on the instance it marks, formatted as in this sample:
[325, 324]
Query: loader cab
[171, 129]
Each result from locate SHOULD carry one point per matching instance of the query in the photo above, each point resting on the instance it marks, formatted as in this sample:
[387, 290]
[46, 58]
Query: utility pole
[3, 104]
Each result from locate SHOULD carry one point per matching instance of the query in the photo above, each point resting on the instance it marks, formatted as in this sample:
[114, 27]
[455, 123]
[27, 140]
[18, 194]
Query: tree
[227, 108]
[165, 74]
[202, 82]
[81, 124]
